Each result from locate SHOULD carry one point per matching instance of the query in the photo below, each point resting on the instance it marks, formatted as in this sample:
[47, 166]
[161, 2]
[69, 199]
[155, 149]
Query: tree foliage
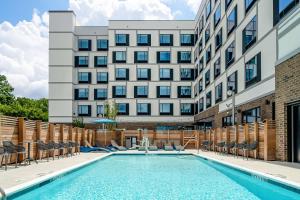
[78, 122]
[110, 110]
[6, 91]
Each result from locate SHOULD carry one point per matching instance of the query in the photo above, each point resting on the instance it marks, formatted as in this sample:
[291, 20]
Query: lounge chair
[108, 148]
[10, 149]
[250, 147]
[167, 146]
[142, 148]
[153, 147]
[4, 156]
[178, 146]
[115, 145]
[92, 149]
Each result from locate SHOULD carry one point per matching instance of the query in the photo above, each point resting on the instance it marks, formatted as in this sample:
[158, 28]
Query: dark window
[252, 115]
[84, 45]
[123, 108]
[208, 54]
[232, 21]
[184, 91]
[143, 109]
[100, 110]
[84, 110]
[201, 25]
[102, 77]
[166, 109]
[227, 121]
[219, 93]
[102, 45]
[207, 33]
[230, 54]
[207, 78]
[100, 94]
[200, 87]
[100, 61]
[186, 109]
[144, 40]
[217, 16]
[140, 91]
[122, 74]
[166, 74]
[163, 91]
[82, 94]
[232, 83]
[186, 74]
[184, 57]
[208, 9]
[196, 90]
[164, 57]
[143, 74]
[81, 61]
[208, 100]
[200, 46]
[249, 4]
[282, 7]
[166, 39]
[141, 57]
[122, 39]
[84, 77]
[200, 65]
[252, 70]
[201, 104]
[227, 3]
[249, 34]
[119, 56]
[217, 68]
[186, 39]
[218, 40]
[119, 91]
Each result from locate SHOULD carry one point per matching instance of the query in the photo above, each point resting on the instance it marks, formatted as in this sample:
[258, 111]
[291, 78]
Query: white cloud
[194, 4]
[24, 55]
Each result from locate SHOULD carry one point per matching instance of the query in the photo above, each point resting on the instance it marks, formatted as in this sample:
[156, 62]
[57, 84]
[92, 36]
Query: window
[227, 121]
[184, 91]
[217, 68]
[100, 61]
[200, 65]
[100, 110]
[217, 16]
[143, 74]
[81, 61]
[102, 45]
[230, 54]
[252, 70]
[207, 33]
[140, 91]
[200, 87]
[227, 3]
[163, 91]
[82, 94]
[249, 4]
[196, 90]
[200, 46]
[184, 57]
[219, 93]
[207, 78]
[186, 74]
[84, 77]
[208, 100]
[186, 109]
[208, 54]
[144, 40]
[102, 77]
[122, 39]
[119, 91]
[166, 39]
[163, 57]
[252, 115]
[165, 74]
[166, 109]
[143, 109]
[123, 108]
[100, 94]
[232, 21]
[232, 83]
[119, 56]
[208, 9]
[201, 24]
[249, 34]
[141, 57]
[84, 110]
[282, 7]
[186, 39]
[218, 40]
[201, 104]
[122, 74]
[84, 45]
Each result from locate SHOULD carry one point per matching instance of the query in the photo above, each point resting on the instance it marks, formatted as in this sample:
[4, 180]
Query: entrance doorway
[293, 122]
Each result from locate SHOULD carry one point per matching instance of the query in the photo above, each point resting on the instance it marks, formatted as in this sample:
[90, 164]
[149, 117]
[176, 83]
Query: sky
[24, 32]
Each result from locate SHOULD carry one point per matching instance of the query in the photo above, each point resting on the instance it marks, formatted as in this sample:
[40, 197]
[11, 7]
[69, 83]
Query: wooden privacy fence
[20, 131]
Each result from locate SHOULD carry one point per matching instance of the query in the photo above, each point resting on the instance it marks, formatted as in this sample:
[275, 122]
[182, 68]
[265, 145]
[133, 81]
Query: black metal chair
[250, 147]
[54, 146]
[11, 149]
[4, 157]
[42, 147]
[229, 146]
[237, 147]
[205, 146]
[220, 146]
[62, 147]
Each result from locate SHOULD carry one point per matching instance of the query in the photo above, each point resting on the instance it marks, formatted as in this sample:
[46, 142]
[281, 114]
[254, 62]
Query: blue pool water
[157, 177]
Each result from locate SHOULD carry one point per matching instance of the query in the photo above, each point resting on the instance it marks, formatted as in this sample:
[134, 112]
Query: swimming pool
[157, 177]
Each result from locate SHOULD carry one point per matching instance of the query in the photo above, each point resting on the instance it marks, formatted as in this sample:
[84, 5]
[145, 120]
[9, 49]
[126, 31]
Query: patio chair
[250, 147]
[220, 146]
[228, 146]
[178, 146]
[205, 145]
[107, 148]
[115, 145]
[64, 146]
[237, 147]
[4, 157]
[54, 146]
[167, 146]
[42, 147]
[153, 146]
[11, 148]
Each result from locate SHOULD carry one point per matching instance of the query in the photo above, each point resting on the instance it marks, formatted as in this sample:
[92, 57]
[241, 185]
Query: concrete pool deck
[18, 177]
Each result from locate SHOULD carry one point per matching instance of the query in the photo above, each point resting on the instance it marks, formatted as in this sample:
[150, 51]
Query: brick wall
[287, 91]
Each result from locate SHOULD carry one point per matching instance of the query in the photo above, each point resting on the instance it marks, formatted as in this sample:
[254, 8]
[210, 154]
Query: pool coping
[4, 193]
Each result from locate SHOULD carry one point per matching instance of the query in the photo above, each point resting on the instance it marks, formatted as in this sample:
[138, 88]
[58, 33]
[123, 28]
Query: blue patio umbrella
[104, 121]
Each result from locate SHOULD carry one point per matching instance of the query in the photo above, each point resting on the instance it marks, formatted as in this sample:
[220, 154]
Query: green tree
[6, 91]
[110, 110]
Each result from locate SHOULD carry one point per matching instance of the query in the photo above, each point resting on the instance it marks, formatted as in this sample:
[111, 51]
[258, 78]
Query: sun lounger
[167, 146]
[153, 147]
[108, 148]
[178, 146]
[92, 149]
[115, 145]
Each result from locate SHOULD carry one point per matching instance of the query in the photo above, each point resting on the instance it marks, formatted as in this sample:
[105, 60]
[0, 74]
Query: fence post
[70, 132]
[61, 132]
[246, 133]
[22, 135]
[122, 138]
[227, 136]
[181, 138]
[256, 138]
[237, 133]
[38, 130]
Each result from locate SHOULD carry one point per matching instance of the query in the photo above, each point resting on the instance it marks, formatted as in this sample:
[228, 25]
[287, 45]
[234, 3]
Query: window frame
[118, 43]
[234, 10]
[257, 78]
[253, 41]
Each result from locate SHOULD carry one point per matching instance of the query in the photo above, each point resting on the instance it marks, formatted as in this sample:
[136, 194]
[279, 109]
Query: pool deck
[16, 178]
